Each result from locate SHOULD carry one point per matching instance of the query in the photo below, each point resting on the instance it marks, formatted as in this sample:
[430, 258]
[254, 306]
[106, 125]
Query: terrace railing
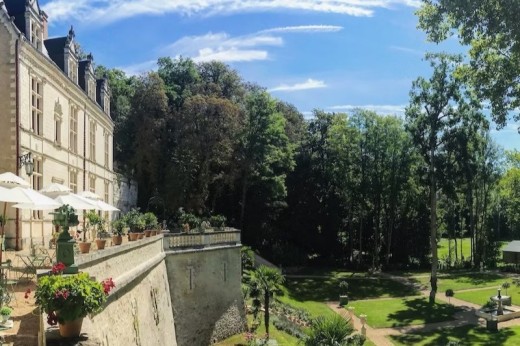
[177, 241]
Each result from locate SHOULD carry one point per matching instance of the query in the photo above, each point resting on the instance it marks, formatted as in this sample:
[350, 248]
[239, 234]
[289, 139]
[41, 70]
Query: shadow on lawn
[474, 278]
[327, 289]
[465, 335]
[420, 309]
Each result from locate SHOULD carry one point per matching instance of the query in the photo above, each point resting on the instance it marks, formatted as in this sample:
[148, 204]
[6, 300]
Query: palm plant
[265, 282]
[333, 331]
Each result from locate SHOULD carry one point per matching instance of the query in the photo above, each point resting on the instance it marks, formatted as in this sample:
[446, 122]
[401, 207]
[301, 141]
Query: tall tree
[490, 28]
[265, 154]
[437, 106]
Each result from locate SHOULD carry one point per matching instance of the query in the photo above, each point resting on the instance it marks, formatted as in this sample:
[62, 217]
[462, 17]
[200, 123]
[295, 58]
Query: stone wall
[139, 310]
[206, 294]
[125, 193]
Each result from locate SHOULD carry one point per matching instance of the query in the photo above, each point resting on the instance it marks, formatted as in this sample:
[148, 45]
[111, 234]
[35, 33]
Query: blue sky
[329, 54]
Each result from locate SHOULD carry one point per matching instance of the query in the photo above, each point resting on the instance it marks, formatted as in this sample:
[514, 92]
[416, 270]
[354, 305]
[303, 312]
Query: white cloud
[408, 50]
[380, 109]
[113, 10]
[308, 84]
[222, 47]
[304, 29]
[137, 69]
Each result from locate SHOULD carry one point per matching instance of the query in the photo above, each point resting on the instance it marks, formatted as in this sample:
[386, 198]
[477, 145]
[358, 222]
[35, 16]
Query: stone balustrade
[174, 241]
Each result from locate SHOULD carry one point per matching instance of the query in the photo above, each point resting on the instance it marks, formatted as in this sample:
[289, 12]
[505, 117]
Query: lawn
[443, 248]
[461, 281]
[327, 288]
[466, 335]
[481, 297]
[403, 312]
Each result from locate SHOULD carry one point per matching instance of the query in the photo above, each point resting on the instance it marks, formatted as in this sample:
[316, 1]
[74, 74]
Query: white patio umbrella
[35, 201]
[93, 198]
[9, 180]
[63, 195]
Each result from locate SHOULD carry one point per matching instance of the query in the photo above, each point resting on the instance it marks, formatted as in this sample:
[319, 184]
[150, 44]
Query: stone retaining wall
[205, 288]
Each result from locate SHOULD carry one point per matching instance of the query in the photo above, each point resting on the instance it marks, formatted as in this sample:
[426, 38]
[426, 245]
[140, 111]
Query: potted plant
[67, 299]
[5, 313]
[135, 222]
[102, 234]
[118, 229]
[449, 294]
[189, 222]
[150, 221]
[218, 222]
[92, 219]
[343, 297]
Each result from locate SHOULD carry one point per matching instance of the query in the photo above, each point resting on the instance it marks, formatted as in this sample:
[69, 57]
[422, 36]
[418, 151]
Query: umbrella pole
[2, 234]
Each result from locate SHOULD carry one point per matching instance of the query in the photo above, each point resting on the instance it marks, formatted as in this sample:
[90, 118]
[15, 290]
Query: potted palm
[67, 299]
[118, 229]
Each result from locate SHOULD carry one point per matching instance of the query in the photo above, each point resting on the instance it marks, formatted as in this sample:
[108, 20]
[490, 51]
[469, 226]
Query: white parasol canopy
[93, 198]
[33, 200]
[77, 202]
[9, 179]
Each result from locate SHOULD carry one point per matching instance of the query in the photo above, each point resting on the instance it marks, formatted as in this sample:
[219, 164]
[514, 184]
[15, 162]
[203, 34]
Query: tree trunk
[266, 312]
[433, 226]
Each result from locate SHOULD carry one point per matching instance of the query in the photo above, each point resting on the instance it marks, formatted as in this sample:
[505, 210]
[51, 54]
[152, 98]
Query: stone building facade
[52, 106]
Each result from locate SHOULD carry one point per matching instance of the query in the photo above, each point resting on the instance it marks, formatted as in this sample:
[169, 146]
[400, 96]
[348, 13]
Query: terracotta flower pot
[140, 235]
[117, 240]
[133, 236]
[84, 247]
[147, 233]
[100, 243]
[71, 329]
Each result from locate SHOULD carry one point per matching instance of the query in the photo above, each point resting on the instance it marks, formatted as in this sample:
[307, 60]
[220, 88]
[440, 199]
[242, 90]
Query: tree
[265, 154]
[490, 28]
[265, 282]
[437, 106]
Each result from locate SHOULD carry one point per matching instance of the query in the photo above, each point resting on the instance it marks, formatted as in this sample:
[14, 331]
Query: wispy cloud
[222, 47]
[113, 10]
[304, 29]
[137, 69]
[380, 109]
[408, 50]
[308, 84]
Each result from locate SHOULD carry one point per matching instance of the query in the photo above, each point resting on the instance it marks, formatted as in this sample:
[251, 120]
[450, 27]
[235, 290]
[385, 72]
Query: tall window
[36, 36]
[92, 184]
[92, 139]
[73, 181]
[73, 70]
[107, 137]
[37, 106]
[92, 89]
[73, 130]
[57, 125]
[37, 183]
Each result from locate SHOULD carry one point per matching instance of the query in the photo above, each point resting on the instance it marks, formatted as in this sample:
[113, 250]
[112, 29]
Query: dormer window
[36, 35]
[73, 70]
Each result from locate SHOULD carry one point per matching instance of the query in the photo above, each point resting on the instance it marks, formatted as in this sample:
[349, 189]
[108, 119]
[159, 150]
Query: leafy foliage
[333, 331]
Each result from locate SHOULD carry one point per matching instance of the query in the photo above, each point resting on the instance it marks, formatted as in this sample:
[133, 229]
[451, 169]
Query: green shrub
[5, 311]
[150, 220]
[285, 325]
[118, 227]
[218, 221]
[333, 331]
